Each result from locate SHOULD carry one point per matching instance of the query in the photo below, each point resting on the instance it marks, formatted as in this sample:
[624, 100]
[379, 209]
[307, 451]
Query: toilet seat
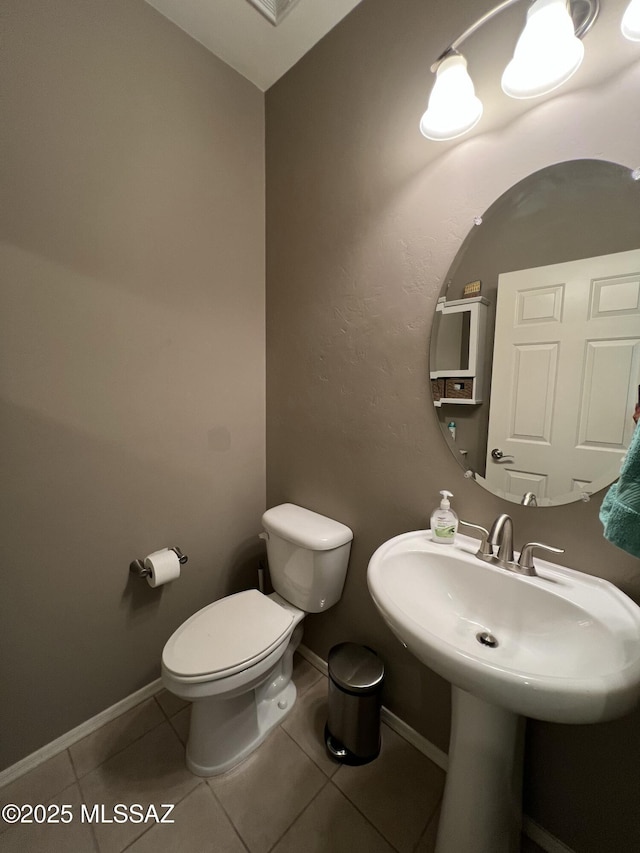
[226, 637]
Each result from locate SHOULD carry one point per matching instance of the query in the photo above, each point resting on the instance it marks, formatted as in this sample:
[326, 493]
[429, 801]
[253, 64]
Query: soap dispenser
[444, 521]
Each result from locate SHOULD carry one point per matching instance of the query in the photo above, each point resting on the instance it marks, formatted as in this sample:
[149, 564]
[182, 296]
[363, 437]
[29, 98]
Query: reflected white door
[566, 369]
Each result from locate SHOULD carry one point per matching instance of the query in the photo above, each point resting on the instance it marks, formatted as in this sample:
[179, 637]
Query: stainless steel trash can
[356, 676]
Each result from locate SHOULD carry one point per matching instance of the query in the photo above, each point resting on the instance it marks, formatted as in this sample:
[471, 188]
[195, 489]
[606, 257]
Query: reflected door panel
[566, 370]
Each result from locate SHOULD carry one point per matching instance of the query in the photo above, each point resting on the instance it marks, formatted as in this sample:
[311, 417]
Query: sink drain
[486, 639]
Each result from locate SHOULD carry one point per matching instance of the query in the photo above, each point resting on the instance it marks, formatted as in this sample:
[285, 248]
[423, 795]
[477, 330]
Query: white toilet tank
[308, 555]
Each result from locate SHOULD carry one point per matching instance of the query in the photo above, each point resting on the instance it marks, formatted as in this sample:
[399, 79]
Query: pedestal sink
[563, 646]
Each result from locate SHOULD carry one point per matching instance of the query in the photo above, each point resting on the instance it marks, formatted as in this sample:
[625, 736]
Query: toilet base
[247, 734]
[226, 728]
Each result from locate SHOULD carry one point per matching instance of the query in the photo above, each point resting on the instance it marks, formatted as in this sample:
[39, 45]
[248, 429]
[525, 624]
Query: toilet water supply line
[261, 565]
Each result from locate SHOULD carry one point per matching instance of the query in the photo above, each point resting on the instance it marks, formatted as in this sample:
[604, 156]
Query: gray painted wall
[132, 336]
[131, 349]
[364, 218]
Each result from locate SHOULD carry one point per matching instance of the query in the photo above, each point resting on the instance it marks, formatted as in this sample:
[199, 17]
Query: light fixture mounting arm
[583, 14]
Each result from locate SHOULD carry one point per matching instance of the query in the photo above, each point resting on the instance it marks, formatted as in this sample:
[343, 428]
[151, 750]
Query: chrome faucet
[501, 535]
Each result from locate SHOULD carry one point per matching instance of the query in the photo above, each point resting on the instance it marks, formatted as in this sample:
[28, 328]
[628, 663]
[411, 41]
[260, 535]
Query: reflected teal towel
[620, 510]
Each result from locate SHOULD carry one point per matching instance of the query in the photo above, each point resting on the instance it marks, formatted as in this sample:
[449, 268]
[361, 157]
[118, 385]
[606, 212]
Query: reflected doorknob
[498, 455]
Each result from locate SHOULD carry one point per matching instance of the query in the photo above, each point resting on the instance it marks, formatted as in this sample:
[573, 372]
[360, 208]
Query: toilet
[233, 659]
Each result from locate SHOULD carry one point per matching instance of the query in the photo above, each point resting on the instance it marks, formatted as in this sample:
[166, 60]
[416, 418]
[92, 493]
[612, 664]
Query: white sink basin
[568, 644]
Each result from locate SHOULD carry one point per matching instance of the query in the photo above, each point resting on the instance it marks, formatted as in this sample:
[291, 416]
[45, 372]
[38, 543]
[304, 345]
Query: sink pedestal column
[482, 804]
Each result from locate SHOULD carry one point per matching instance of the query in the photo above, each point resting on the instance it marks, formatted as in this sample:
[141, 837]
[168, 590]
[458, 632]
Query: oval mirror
[535, 346]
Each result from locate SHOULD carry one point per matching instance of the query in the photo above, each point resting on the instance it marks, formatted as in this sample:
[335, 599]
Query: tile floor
[287, 797]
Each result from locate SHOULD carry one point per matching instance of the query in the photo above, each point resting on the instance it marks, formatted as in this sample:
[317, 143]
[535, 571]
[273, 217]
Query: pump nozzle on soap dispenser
[444, 521]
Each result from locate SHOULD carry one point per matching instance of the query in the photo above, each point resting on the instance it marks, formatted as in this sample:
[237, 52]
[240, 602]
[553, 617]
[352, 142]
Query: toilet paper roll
[164, 567]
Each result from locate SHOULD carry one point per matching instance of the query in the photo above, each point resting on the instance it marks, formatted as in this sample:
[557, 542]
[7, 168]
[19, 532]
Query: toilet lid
[232, 632]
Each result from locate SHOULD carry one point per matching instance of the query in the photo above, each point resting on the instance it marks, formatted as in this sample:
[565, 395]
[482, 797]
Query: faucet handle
[525, 560]
[485, 551]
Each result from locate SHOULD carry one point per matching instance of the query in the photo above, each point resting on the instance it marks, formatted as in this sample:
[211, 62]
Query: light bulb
[547, 54]
[631, 21]
[453, 106]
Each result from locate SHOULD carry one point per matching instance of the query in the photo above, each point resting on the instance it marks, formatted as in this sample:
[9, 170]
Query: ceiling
[236, 32]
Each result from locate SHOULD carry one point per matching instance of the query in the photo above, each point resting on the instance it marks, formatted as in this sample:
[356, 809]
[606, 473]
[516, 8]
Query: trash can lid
[355, 668]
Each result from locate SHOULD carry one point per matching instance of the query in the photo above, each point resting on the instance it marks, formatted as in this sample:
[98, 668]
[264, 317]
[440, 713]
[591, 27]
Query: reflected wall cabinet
[458, 361]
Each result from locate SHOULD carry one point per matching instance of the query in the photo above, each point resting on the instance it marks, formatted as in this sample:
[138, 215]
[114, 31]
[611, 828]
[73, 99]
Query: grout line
[92, 830]
[227, 815]
[4, 826]
[162, 710]
[302, 692]
[363, 815]
[126, 746]
[166, 714]
[175, 731]
[299, 815]
[368, 819]
[73, 765]
[152, 825]
[431, 819]
[94, 836]
[310, 757]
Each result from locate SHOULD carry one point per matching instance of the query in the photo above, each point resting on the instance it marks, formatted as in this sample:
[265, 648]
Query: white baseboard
[314, 659]
[66, 740]
[10, 774]
[543, 838]
[533, 830]
[415, 739]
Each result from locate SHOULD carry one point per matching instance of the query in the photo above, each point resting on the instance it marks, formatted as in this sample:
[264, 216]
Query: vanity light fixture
[547, 54]
[549, 51]
[631, 21]
[453, 106]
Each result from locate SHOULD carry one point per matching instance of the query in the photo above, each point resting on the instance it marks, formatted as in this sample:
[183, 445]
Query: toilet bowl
[234, 658]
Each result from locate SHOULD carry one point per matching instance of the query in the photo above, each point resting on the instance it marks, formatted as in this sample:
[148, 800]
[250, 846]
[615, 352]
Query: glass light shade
[453, 106]
[631, 21]
[547, 53]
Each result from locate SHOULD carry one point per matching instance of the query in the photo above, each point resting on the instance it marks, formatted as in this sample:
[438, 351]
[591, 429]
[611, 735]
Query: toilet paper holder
[138, 568]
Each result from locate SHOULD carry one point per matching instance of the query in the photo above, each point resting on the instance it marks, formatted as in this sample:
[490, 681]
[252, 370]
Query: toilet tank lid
[306, 528]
